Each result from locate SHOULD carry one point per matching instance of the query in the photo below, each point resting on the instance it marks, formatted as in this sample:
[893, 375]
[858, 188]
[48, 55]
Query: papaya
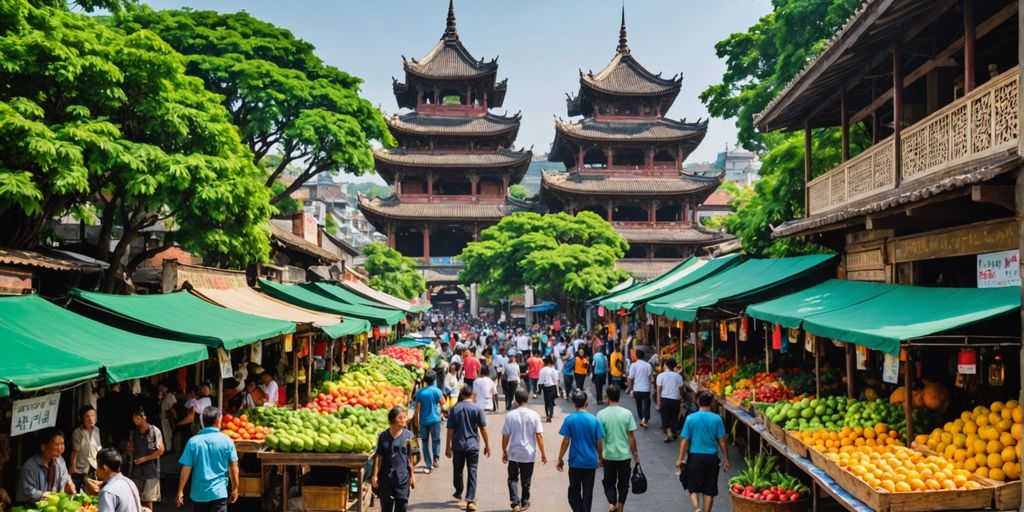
[898, 395]
[935, 396]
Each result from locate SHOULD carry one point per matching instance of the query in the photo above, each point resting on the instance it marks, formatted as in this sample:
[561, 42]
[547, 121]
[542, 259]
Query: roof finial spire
[449, 30]
[623, 47]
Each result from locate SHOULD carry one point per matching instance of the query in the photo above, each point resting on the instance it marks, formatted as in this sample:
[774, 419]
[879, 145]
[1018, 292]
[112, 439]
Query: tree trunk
[113, 281]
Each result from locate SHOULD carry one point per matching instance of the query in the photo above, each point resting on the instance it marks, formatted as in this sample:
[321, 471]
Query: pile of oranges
[985, 441]
[900, 469]
[850, 438]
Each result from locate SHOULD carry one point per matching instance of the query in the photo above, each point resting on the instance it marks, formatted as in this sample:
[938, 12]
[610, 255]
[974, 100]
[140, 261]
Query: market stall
[301, 296]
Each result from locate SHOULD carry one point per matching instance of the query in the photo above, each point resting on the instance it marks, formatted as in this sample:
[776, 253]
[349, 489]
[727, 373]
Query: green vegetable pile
[392, 371]
[834, 413]
[352, 429]
[61, 502]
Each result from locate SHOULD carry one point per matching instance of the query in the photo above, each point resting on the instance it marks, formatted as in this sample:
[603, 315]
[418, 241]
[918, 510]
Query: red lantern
[967, 362]
[320, 348]
[376, 332]
[622, 312]
[777, 337]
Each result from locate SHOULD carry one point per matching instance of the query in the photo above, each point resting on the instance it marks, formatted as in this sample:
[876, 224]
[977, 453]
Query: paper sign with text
[34, 414]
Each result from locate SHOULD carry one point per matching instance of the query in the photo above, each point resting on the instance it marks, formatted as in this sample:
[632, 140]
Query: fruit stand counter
[820, 479]
[350, 461]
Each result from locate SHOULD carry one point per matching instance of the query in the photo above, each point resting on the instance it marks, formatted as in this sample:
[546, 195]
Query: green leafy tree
[331, 225]
[518, 191]
[759, 63]
[282, 97]
[564, 258]
[368, 189]
[390, 272]
[95, 117]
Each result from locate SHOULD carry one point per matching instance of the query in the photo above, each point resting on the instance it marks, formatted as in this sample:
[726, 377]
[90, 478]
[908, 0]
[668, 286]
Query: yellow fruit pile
[849, 439]
[900, 469]
[985, 441]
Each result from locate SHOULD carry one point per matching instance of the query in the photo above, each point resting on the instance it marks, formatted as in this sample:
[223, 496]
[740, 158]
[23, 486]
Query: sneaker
[471, 505]
[516, 507]
[426, 470]
[525, 506]
[436, 464]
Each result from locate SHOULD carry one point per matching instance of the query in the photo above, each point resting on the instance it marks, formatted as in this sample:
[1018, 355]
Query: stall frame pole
[908, 402]
[849, 369]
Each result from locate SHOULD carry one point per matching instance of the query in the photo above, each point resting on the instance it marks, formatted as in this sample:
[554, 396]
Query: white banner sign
[999, 269]
[34, 414]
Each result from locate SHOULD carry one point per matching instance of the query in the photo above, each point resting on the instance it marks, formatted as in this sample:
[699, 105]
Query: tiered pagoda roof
[488, 125]
[594, 184]
[690, 235]
[390, 208]
[389, 161]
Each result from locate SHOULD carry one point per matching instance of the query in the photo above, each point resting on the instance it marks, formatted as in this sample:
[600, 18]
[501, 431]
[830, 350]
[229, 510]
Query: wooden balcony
[980, 124]
[442, 198]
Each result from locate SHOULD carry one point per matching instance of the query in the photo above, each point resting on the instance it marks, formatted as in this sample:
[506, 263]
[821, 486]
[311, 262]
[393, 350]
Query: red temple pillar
[473, 186]
[649, 252]
[579, 159]
[651, 212]
[609, 211]
[970, 39]
[684, 212]
[430, 184]
[650, 158]
[610, 156]
[426, 243]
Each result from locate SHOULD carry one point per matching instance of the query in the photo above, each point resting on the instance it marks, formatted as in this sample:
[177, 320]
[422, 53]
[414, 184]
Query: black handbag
[639, 480]
[682, 475]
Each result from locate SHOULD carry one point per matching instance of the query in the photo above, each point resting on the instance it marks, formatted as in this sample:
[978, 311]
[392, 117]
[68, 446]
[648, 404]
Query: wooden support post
[908, 402]
[426, 244]
[295, 370]
[970, 38]
[874, 127]
[844, 121]
[807, 167]
[609, 211]
[897, 110]
[736, 346]
[817, 365]
[849, 370]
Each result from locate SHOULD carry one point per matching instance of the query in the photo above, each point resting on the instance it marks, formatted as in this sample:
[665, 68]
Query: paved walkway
[434, 491]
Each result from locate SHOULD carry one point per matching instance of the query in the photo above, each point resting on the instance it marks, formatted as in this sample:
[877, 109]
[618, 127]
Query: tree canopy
[518, 191]
[759, 63]
[392, 273]
[282, 97]
[97, 117]
[563, 258]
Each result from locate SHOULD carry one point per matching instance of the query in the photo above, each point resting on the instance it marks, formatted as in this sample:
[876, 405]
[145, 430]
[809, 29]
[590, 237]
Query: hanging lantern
[600, 311]
[967, 362]
[777, 337]
[744, 326]
[622, 312]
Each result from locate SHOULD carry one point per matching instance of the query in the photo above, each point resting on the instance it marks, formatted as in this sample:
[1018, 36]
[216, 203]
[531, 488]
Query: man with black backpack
[619, 445]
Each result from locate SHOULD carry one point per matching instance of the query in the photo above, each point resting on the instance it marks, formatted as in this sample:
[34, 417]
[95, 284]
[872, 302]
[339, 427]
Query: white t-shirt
[670, 383]
[522, 342]
[522, 426]
[485, 389]
[512, 372]
[271, 391]
[640, 372]
[548, 377]
[199, 404]
[559, 352]
[499, 363]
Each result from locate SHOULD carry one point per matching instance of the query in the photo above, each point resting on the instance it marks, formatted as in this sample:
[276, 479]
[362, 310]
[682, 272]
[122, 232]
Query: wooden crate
[884, 501]
[1007, 496]
[250, 486]
[323, 497]
[796, 444]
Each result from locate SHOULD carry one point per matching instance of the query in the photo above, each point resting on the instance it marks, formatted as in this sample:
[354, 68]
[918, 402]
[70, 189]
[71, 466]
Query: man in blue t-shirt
[703, 438]
[583, 436]
[428, 418]
[210, 459]
[600, 375]
[466, 427]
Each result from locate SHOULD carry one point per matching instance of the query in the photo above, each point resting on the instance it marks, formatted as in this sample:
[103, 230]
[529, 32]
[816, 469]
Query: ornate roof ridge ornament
[449, 31]
[623, 46]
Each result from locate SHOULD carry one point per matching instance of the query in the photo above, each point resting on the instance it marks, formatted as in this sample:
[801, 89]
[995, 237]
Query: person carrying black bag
[619, 444]
[703, 438]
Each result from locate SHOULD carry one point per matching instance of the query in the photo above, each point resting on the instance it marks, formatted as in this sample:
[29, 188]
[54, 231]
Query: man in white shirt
[499, 362]
[668, 396]
[512, 378]
[485, 389]
[639, 385]
[521, 436]
[548, 381]
[558, 353]
[269, 387]
[522, 343]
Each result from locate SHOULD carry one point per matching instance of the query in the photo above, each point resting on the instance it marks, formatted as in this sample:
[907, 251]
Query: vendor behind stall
[45, 471]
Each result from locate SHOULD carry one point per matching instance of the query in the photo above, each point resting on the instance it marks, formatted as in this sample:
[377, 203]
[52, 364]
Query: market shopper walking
[467, 425]
[534, 365]
[617, 367]
[209, 460]
[581, 368]
[703, 438]
[146, 448]
[639, 383]
[600, 374]
[669, 394]
[428, 417]
[521, 437]
[118, 494]
[470, 367]
[548, 382]
[582, 435]
[512, 378]
[392, 464]
[486, 391]
[619, 447]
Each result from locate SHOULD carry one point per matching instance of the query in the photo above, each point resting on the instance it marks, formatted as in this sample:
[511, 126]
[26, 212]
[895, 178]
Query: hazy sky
[541, 45]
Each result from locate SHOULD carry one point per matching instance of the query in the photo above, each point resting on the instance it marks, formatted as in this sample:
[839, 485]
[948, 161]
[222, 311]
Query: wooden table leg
[359, 491]
[814, 495]
[284, 492]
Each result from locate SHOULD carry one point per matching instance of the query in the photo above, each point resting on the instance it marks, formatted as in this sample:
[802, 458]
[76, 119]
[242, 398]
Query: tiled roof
[392, 208]
[580, 183]
[500, 158]
[675, 235]
[449, 59]
[297, 243]
[645, 269]
[718, 199]
[34, 259]
[633, 131]
[625, 76]
[489, 124]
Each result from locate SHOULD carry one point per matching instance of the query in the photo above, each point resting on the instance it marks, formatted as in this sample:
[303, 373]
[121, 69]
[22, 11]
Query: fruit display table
[352, 462]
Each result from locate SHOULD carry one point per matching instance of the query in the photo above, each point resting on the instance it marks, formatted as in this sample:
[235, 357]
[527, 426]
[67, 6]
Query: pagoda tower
[454, 163]
[624, 160]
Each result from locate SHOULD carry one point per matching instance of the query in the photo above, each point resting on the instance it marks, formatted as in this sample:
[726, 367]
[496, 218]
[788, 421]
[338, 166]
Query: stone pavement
[549, 489]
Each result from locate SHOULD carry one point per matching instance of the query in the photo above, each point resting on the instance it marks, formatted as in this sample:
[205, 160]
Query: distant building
[534, 172]
[741, 167]
[717, 204]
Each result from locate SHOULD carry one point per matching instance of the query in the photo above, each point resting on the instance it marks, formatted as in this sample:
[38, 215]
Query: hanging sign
[744, 326]
[891, 368]
[810, 342]
[650, 319]
[34, 414]
[967, 362]
[998, 269]
[732, 326]
[287, 342]
[256, 354]
[777, 337]
[225, 363]
[862, 358]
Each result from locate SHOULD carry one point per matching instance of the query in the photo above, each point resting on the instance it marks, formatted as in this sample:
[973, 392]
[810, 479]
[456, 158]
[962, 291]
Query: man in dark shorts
[703, 438]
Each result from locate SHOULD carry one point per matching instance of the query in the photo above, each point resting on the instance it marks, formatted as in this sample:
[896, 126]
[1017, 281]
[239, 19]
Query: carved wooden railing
[982, 123]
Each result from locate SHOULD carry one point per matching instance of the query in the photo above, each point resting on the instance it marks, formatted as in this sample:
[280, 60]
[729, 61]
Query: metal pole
[908, 402]
[849, 370]
[817, 365]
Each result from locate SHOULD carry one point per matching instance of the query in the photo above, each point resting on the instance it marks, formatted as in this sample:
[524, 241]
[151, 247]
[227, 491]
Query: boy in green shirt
[619, 444]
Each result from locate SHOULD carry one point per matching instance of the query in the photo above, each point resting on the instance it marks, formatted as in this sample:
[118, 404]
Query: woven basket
[741, 504]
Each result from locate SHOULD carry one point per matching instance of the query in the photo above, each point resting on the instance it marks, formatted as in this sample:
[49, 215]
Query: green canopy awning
[685, 274]
[386, 299]
[351, 327]
[408, 342]
[185, 317]
[299, 296]
[908, 312]
[751, 280]
[628, 284]
[65, 345]
[790, 311]
[336, 292]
